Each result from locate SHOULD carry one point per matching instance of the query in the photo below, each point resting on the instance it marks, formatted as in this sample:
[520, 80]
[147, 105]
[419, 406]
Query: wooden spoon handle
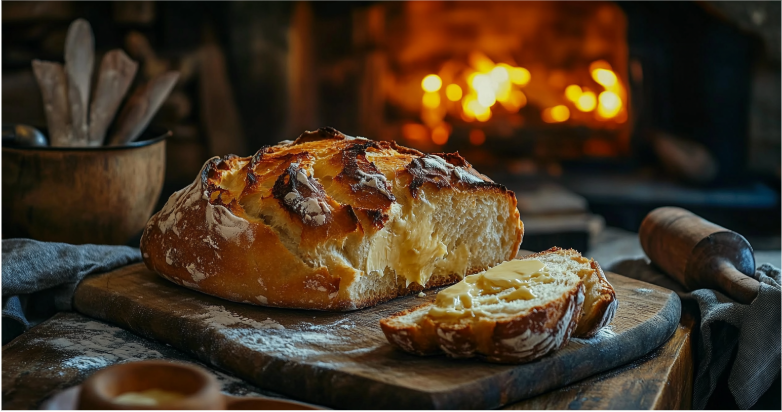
[79, 57]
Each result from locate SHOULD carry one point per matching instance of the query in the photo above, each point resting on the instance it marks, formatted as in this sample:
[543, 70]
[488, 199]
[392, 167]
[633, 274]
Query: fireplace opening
[593, 109]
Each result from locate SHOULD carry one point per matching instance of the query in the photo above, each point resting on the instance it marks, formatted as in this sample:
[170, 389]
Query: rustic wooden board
[343, 359]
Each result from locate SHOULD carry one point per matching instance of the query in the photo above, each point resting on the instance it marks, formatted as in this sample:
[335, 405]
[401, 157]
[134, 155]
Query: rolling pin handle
[740, 287]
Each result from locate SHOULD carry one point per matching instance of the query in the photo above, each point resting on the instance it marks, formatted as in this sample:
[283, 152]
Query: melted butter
[507, 282]
[414, 249]
[150, 397]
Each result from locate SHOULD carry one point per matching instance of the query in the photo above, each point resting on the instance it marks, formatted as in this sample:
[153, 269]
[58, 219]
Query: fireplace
[496, 81]
[629, 105]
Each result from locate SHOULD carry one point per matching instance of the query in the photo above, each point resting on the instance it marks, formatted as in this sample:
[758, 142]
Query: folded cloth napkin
[39, 278]
[753, 331]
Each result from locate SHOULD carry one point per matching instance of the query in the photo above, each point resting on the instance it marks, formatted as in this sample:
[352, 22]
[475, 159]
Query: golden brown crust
[285, 226]
[603, 309]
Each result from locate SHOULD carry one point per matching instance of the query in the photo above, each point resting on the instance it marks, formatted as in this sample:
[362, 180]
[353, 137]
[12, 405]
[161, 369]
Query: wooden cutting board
[343, 360]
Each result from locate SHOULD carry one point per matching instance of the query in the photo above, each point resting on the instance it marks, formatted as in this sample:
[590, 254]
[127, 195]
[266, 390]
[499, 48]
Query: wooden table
[38, 364]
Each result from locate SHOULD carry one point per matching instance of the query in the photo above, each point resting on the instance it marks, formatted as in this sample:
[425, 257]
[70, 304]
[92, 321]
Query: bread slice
[503, 326]
[331, 222]
[600, 299]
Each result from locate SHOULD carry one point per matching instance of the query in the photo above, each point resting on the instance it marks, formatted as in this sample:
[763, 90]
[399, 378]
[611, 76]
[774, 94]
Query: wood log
[117, 71]
[54, 90]
[700, 254]
[79, 59]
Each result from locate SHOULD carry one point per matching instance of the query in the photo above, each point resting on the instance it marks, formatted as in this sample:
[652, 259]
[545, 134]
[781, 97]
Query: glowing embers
[477, 90]
[556, 114]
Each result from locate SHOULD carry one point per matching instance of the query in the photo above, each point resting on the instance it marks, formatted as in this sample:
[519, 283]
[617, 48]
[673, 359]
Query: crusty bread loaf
[521, 333]
[599, 299]
[331, 222]
[496, 328]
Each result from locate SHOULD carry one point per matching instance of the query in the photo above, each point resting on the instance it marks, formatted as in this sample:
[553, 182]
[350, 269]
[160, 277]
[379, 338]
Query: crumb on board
[421, 294]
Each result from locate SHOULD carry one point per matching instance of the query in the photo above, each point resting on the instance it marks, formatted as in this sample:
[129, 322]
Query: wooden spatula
[54, 90]
[116, 74]
[79, 59]
[700, 254]
[141, 107]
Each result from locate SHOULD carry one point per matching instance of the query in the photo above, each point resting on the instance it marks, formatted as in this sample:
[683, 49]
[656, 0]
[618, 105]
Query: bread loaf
[331, 222]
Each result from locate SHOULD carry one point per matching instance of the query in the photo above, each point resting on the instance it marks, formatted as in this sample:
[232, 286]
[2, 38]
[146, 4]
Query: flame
[609, 104]
[431, 83]
[604, 77]
[586, 102]
[599, 64]
[499, 74]
[483, 84]
[431, 100]
[519, 76]
[480, 62]
[516, 101]
[483, 116]
[573, 92]
[556, 114]
[453, 92]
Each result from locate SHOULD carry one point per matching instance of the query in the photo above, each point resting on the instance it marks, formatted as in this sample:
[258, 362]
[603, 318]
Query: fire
[606, 78]
[610, 104]
[431, 100]
[477, 88]
[431, 83]
[520, 76]
[556, 114]
[453, 92]
[573, 92]
[586, 102]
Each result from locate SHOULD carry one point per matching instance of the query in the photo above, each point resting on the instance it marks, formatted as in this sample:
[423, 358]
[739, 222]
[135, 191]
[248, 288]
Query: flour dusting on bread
[332, 222]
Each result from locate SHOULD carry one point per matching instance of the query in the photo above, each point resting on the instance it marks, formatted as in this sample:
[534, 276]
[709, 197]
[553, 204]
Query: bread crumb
[421, 294]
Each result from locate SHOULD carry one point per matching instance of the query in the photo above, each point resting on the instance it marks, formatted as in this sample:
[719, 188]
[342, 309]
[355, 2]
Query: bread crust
[266, 230]
[514, 339]
[602, 310]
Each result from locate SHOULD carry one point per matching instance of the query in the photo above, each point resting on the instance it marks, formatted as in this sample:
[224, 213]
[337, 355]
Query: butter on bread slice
[514, 312]
[516, 320]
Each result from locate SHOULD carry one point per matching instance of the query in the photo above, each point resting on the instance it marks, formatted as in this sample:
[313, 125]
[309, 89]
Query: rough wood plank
[343, 360]
[66, 349]
[661, 379]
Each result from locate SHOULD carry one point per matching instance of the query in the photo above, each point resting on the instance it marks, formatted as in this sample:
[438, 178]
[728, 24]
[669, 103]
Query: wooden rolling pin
[700, 254]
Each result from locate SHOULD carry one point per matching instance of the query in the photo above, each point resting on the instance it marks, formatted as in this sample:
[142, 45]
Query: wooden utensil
[54, 91]
[116, 74]
[79, 58]
[141, 107]
[700, 254]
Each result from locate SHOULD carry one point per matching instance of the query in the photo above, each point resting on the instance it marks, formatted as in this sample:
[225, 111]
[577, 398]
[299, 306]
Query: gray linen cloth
[39, 278]
[753, 331]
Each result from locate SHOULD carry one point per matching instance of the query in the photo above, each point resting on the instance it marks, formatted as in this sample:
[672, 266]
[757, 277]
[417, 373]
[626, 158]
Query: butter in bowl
[159, 384]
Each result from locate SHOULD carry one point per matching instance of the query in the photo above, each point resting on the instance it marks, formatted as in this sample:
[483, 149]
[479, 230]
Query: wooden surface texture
[343, 360]
[81, 196]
